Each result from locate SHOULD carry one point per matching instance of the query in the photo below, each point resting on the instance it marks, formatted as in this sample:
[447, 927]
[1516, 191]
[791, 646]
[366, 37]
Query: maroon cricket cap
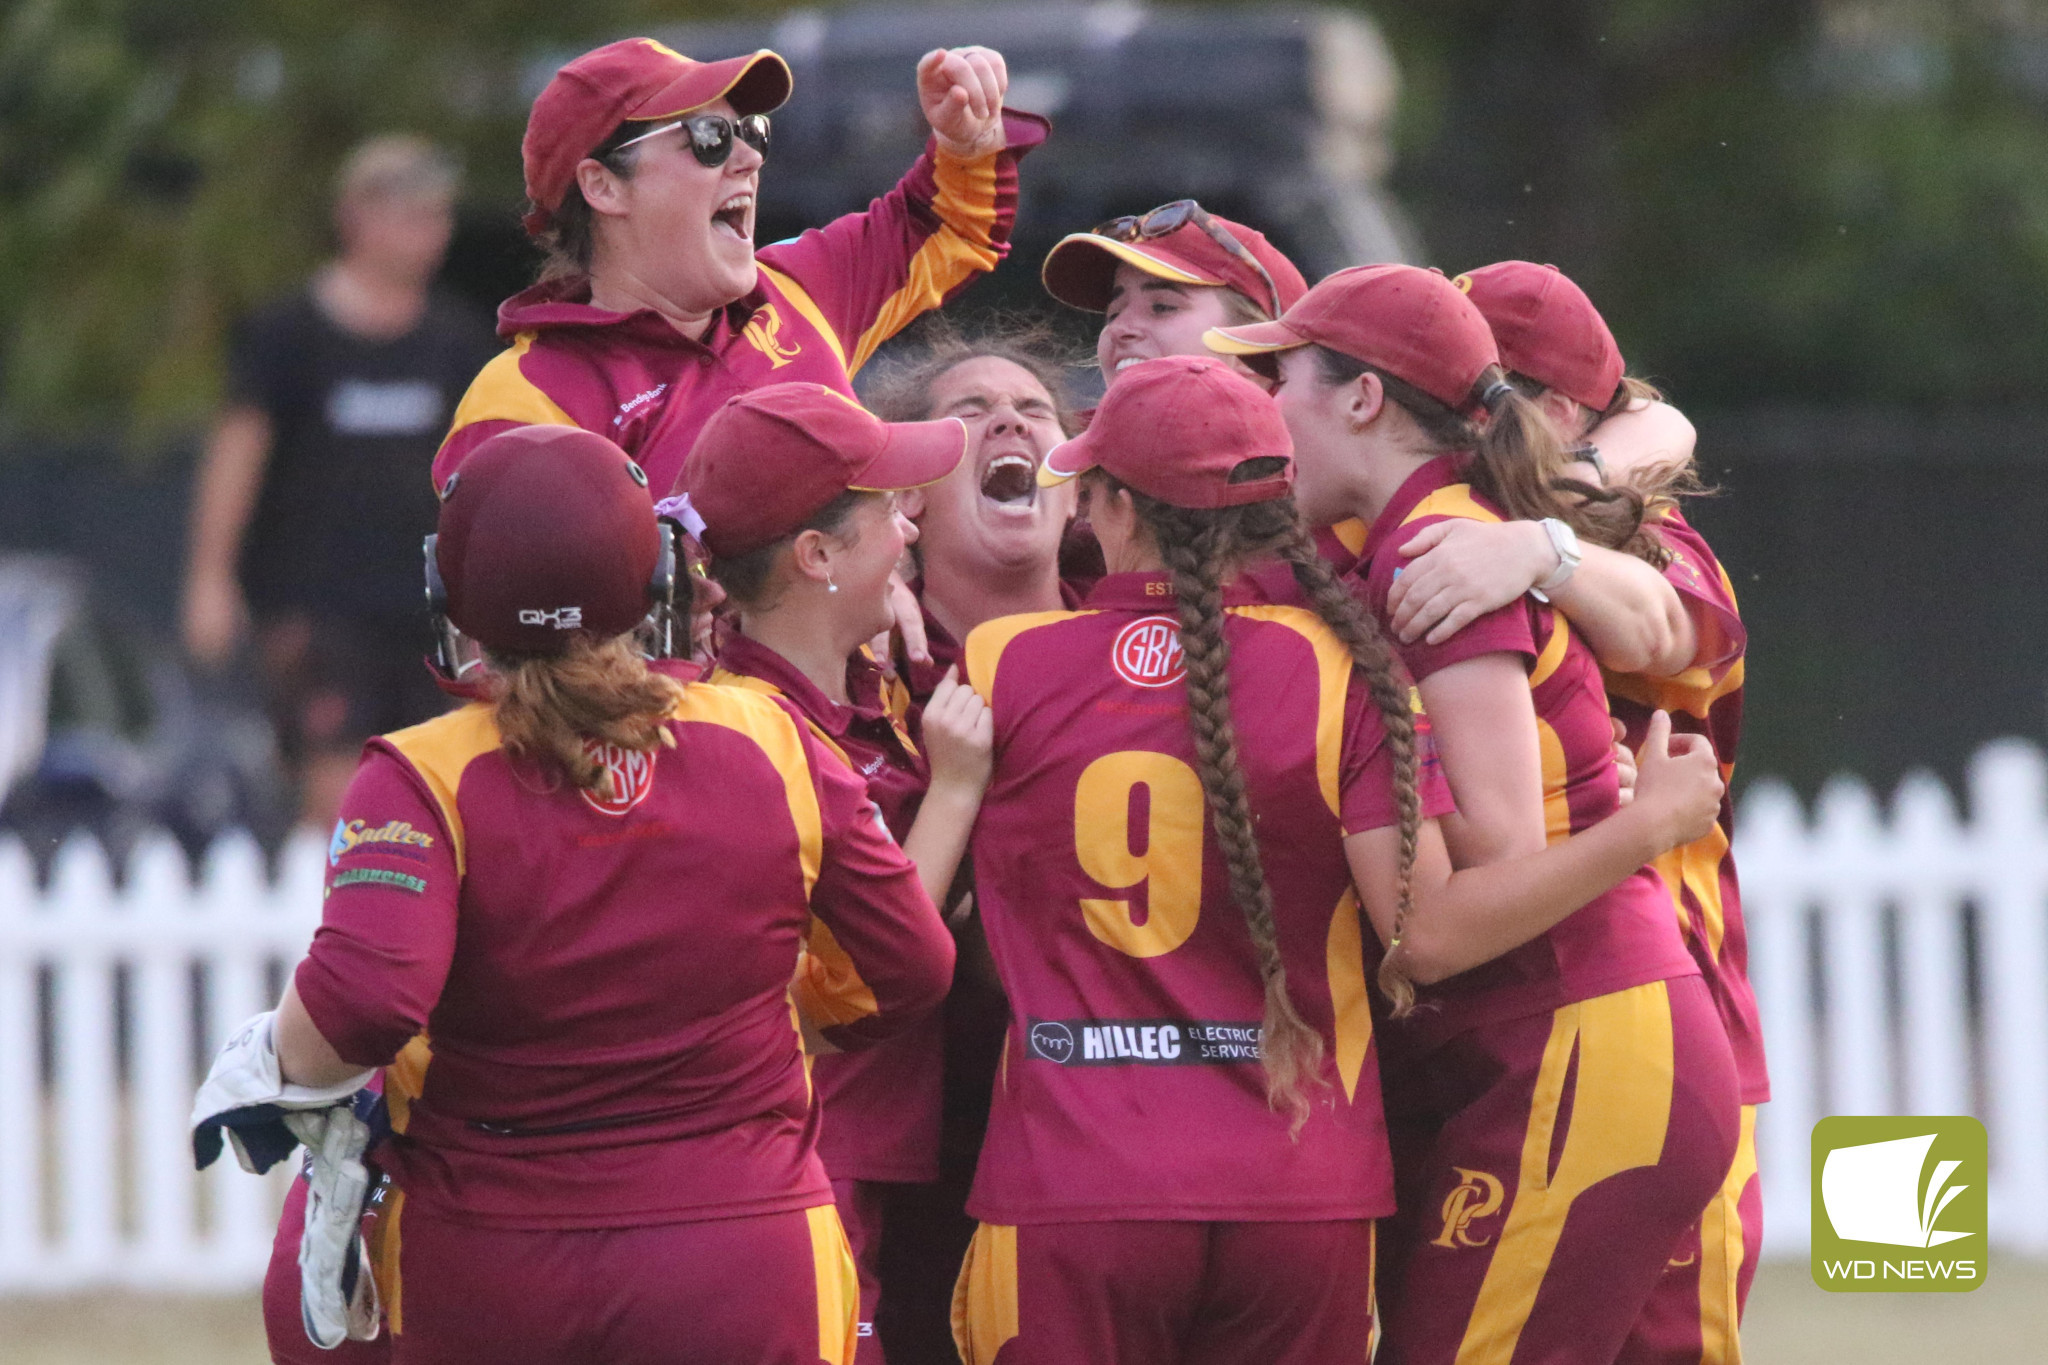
[1547, 329]
[1081, 269]
[772, 458]
[1413, 323]
[546, 531]
[633, 80]
[1174, 429]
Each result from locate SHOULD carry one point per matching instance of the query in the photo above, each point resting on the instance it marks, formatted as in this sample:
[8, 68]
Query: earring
[830, 586]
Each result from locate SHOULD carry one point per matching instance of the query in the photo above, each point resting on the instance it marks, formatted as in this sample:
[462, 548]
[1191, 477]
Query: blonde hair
[549, 706]
[396, 166]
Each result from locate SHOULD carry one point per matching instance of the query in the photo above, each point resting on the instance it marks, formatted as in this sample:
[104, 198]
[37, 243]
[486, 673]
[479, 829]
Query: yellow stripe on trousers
[1721, 1255]
[838, 1286]
[1621, 1106]
[985, 1296]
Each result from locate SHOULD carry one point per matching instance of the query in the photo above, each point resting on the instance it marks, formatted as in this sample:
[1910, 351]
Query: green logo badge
[1899, 1205]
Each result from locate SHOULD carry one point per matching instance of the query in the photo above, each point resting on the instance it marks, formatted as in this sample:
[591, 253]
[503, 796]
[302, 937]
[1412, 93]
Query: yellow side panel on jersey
[985, 1296]
[384, 1257]
[1694, 691]
[966, 204]
[828, 987]
[501, 392]
[1621, 1108]
[838, 1289]
[1557, 810]
[1553, 651]
[1696, 868]
[1721, 1255]
[799, 299]
[1452, 500]
[1333, 671]
[439, 750]
[1350, 1002]
[405, 1080]
[774, 731]
[986, 643]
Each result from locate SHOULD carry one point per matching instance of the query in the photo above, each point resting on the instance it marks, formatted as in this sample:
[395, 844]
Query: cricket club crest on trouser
[1475, 1196]
[764, 330]
[632, 772]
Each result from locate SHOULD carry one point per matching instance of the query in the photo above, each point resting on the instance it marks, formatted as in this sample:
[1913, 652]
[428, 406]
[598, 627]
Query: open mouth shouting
[1010, 483]
[735, 215]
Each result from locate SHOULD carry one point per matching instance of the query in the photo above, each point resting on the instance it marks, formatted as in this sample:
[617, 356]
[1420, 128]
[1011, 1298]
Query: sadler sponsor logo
[632, 774]
[1147, 653]
[350, 835]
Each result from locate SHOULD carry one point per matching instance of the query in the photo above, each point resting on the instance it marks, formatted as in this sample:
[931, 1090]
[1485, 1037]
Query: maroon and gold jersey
[824, 301]
[923, 679]
[880, 1104]
[1706, 699]
[1625, 937]
[604, 984]
[1131, 1086]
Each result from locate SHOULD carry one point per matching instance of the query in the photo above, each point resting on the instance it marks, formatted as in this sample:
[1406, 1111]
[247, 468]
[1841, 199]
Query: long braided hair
[1203, 549]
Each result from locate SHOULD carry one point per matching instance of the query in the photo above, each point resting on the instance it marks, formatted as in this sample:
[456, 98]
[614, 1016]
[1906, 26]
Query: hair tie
[678, 510]
[1496, 393]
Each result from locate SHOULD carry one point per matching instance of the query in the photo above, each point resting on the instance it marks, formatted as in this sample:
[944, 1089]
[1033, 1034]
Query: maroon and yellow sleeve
[879, 957]
[515, 389]
[864, 277]
[1503, 630]
[387, 931]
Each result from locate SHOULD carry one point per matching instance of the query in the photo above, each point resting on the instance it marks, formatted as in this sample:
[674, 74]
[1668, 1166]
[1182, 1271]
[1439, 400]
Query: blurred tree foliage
[1827, 200]
[165, 164]
[1774, 200]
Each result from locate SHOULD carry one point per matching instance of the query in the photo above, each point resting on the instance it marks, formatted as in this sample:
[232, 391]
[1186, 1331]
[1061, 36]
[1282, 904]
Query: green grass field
[1790, 1323]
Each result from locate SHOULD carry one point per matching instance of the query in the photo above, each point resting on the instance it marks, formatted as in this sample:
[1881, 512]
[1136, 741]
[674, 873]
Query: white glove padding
[246, 1094]
[337, 1295]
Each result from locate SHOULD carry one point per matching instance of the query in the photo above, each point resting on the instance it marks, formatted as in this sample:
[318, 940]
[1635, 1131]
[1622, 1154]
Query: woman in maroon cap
[654, 307]
[1559, 351]
[1195, 789]
[586, 894]
[796, 486]
[1163, 278]
[1561, 1115]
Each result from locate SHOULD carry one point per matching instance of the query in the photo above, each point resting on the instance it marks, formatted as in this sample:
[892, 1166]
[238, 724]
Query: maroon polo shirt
[604, 985]
[1131, 1086]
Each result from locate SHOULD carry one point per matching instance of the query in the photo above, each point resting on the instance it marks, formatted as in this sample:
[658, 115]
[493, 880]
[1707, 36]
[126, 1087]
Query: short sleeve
[387, 930]
[1709, 597]
[1505, 630]
[1366, 771]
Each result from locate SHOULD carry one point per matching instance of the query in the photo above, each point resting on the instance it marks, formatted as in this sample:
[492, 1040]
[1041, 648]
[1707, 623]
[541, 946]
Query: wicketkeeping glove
[246, 1095]
[337, 1295]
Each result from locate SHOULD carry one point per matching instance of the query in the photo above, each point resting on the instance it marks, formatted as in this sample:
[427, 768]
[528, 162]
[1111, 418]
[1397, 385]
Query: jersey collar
[1154, 592]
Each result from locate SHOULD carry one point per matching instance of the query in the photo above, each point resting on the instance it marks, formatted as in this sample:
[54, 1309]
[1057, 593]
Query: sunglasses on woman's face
[712, 135]
[1171, 218]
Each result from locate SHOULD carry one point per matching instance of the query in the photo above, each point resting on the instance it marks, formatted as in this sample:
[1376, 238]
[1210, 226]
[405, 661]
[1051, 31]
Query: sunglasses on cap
[712, 136]
[1168, 219]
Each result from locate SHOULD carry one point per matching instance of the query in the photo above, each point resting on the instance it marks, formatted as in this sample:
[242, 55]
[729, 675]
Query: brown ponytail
[1519, 457]
[549, 705]
[1202, 549]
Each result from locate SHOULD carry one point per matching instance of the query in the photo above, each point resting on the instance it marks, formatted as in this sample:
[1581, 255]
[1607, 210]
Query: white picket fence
[1882, 994]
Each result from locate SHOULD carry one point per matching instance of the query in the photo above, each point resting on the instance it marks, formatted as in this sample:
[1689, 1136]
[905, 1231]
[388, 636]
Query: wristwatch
[1565, 541]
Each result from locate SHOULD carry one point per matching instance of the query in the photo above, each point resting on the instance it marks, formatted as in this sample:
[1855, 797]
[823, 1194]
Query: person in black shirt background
[313, 493]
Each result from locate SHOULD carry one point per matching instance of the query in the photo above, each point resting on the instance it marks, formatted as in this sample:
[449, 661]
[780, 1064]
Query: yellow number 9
[1171, 865]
